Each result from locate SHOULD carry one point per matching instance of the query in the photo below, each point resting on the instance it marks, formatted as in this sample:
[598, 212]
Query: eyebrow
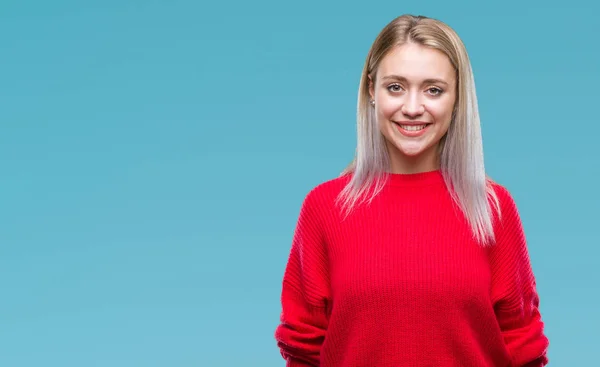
[403, 79]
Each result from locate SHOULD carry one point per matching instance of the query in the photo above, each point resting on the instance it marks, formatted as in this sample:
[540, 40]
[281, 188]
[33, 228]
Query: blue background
[154, 156]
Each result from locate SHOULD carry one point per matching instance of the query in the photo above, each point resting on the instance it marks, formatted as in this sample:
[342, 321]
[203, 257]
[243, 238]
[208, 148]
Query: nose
[412, 105]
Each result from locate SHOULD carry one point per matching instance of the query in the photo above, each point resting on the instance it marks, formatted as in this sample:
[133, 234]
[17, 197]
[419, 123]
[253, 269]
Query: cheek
[442, 112]
[387, 109]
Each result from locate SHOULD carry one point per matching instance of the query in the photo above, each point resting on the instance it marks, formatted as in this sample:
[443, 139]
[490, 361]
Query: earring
[372, 102]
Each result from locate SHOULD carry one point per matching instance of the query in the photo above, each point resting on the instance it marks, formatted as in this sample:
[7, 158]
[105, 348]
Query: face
[414, 92]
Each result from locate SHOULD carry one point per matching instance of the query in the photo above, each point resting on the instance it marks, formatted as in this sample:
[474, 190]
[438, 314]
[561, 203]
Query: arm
[303, 320]
[514, 293]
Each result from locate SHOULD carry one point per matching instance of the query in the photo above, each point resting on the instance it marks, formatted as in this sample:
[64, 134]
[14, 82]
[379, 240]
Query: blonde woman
[413, 256]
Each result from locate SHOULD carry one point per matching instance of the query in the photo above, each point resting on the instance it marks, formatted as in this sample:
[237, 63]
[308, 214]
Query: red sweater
[401, 282]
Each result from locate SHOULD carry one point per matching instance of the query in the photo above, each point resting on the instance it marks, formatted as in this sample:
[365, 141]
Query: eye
[435, 91]
[394, 88]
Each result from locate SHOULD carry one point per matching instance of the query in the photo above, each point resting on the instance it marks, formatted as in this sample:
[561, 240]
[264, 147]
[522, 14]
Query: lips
[412, 128]
[412, 123]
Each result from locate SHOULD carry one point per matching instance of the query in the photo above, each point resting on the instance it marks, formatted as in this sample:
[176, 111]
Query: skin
[405, 89]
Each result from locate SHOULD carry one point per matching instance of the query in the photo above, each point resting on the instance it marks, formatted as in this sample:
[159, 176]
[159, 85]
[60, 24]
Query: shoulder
[507, 209]
[321, 200]
[318, 204]
[509, 231]
[325, 193]
[502, 192]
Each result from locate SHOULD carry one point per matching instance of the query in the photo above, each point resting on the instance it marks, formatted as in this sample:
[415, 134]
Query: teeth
[413, 127]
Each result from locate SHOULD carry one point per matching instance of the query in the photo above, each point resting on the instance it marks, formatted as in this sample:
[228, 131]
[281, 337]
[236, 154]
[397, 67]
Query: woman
[413, 256]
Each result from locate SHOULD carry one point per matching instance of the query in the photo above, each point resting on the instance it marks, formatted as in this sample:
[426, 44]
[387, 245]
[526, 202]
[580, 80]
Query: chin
[411, 153]
[411, 150]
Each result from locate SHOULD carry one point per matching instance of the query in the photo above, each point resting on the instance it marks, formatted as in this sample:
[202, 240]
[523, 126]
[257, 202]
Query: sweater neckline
[427, 178]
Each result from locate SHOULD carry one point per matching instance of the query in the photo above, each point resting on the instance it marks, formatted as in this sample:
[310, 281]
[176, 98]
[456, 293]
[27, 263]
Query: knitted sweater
[402, 282]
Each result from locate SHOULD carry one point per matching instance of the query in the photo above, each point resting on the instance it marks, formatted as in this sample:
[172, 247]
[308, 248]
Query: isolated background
[154, 156]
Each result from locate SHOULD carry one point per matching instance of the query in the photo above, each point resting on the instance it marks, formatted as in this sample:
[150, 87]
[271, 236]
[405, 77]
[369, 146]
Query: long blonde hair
[461, 149]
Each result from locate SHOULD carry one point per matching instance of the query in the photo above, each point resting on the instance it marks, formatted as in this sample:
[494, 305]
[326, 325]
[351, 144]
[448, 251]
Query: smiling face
[414, 93]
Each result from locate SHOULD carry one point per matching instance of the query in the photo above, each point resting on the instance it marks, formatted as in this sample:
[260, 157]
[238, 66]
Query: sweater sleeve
[514, 294]
[305, 291]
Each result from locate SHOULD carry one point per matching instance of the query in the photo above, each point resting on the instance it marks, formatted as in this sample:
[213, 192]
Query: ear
[371, 87]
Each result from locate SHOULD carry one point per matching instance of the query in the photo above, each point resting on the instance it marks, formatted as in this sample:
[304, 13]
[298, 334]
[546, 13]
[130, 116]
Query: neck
[425, 162]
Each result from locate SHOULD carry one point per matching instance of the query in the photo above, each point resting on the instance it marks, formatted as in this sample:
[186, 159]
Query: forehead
[416, 62]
